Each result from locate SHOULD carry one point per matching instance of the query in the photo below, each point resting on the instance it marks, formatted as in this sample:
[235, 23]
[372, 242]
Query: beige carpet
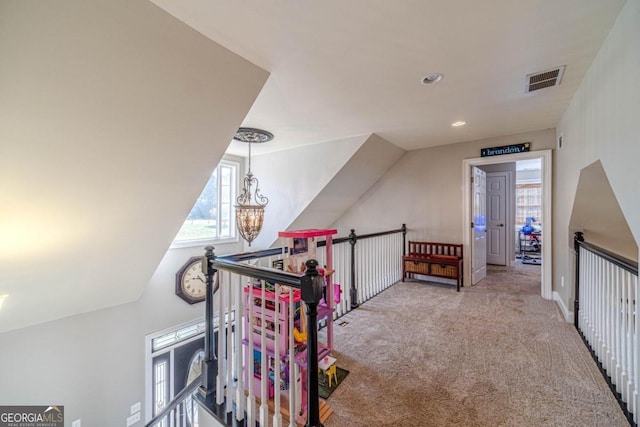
[495, 354]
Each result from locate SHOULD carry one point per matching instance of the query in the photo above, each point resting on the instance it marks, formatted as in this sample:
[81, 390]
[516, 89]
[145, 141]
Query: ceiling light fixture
[432, 78]
[250, 207]
[2, 298]
[458, 123]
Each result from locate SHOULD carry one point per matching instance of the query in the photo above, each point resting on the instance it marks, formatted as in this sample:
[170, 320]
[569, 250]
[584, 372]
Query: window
[528, 203]
[212, 217]
[161, 385]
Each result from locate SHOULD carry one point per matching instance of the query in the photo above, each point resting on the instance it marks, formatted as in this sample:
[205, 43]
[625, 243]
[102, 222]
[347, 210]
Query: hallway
[495, 354]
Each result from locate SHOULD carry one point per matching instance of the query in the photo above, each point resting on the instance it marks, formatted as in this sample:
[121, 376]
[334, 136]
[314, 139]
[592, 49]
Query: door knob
[500, 225]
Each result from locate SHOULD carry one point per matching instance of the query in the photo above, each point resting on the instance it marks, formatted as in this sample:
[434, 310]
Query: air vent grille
[548, 78]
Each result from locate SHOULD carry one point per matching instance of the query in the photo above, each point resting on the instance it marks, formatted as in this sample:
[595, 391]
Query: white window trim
[177, 244]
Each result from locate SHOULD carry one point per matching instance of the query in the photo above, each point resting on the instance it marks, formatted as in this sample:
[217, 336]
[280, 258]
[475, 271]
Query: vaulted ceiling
[113, 113]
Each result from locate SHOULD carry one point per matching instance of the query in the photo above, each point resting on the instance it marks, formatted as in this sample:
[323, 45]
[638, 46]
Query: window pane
[528, 203]
[161, 386]
[212, 215]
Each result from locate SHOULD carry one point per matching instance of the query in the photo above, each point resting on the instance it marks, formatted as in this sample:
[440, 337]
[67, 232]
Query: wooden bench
[433, 259]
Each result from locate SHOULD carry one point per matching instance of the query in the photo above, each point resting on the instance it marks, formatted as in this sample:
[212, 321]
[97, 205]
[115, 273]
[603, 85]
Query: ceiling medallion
[258, 136]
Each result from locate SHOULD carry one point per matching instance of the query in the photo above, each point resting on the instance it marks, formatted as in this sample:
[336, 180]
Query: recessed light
[458, 123]
[2, 298]
[432, 78]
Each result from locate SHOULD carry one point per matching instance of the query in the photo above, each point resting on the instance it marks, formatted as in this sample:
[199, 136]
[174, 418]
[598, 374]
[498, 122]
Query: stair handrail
[622, 262]
[186, 392]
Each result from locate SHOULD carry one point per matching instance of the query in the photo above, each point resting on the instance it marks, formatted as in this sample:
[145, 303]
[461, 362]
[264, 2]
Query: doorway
[545, 234]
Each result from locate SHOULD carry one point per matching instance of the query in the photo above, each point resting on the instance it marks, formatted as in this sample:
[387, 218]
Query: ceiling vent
[548, 78]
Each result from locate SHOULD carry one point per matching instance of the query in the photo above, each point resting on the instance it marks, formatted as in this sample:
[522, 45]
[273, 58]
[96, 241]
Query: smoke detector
[543, 79]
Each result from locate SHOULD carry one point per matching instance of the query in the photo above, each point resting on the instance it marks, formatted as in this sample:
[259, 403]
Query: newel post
[579, 238]
[312, 284]
[404, 239]
[354, 291]
[210, 363]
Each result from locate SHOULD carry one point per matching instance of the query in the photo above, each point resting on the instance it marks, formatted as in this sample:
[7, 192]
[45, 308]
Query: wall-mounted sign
[507, 149]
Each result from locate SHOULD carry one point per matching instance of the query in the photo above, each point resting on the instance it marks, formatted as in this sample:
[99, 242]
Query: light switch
[133, 419]
[135, 408]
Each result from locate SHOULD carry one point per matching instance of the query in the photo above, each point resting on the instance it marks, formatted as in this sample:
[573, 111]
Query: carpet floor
[494, 354]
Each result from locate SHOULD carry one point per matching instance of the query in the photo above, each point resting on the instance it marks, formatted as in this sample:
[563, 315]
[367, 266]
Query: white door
[479, 258]
[497, 218]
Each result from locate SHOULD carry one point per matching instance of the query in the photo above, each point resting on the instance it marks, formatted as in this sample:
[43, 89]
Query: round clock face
[191, 284]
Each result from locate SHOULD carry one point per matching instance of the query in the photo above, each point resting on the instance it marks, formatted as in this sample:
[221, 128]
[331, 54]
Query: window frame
[227, 161]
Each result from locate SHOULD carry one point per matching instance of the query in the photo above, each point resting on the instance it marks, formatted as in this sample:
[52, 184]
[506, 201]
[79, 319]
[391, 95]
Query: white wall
[93, 363]
[601, 123]
[113, 115]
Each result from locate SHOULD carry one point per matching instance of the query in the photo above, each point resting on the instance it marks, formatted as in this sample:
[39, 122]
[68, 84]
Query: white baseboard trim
[568, 315]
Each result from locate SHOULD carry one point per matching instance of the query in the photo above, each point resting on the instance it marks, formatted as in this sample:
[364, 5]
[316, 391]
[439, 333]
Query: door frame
[547, 244]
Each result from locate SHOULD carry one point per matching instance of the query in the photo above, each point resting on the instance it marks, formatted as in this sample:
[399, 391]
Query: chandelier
[250, 206]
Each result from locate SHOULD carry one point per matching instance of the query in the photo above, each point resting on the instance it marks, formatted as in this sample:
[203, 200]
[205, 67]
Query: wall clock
[191, 283]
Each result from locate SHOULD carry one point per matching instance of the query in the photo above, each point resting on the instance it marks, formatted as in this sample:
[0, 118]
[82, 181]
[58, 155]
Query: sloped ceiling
[596, 212]
[372, 160]
[293, 179]
[113, 116]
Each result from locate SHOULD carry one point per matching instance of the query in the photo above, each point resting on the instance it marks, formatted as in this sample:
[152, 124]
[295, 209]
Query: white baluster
[264, 368]
[592, 300]
[228, 329]
[611, 346]
[636, 369]
[277, 416]
[220, 345]
[249, 326]
[240, 326]
[618, 330]
[291, 349]
[600, 310]
[606, 284]
[630, 343]
[624, 342]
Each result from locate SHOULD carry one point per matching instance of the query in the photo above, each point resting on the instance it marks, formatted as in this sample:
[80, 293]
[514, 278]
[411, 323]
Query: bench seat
[434, 259]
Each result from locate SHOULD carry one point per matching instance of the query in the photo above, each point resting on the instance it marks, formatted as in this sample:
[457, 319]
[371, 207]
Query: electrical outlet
[76, 423]
[135, 408]
[133, 419]
[562, 282]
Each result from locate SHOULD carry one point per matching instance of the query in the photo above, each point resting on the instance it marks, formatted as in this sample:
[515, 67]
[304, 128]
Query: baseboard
[568, 315]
